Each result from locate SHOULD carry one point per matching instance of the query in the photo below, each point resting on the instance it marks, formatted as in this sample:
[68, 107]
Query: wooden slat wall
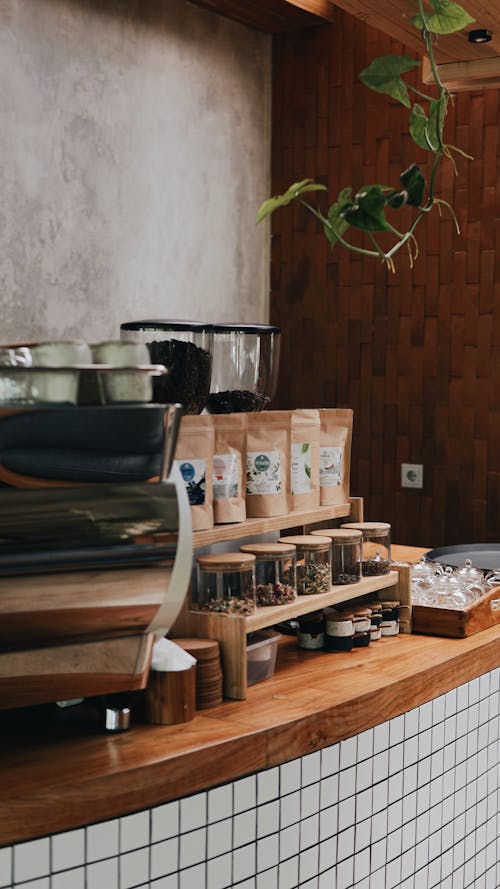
[415, 354]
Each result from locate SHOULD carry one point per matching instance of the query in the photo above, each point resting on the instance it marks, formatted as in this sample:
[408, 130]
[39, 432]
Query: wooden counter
[53, 779]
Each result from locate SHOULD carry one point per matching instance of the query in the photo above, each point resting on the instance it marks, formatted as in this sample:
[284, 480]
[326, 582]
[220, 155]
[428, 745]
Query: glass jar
[376, 547]
[185, 349]
[275, 572]
[311, 631]
[390, 618]
[472, 578]
[226, 583]
[362, 626]
[346, 554]
[245, 367]
[339, 629]
[313, 563]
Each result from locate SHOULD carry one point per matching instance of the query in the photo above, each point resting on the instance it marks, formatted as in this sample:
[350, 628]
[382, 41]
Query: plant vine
[366, 210]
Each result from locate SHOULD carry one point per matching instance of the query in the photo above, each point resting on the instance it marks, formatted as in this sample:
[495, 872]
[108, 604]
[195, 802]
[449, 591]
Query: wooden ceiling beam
[461, 76]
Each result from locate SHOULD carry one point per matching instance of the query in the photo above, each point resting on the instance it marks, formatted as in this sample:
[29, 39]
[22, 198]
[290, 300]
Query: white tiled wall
[410, 804]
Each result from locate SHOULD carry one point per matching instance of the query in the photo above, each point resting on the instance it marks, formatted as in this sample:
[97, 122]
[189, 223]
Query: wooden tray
[458, 623]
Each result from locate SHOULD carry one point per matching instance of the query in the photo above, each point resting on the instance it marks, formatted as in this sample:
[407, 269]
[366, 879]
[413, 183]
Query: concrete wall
[134, 153]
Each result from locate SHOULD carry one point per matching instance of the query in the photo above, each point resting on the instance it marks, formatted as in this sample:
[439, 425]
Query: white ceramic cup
[59, 386]
[130, 385]
[61, 354]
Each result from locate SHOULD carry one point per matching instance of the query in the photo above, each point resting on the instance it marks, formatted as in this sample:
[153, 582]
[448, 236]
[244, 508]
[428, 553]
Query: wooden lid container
[308, 541]
[226, 561]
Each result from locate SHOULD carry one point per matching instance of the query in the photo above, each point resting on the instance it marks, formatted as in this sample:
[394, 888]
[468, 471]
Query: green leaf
[384, 76]
[295, 190]
[336, 222]
[414, 183]
[395, 199]
[418, 126]
[367, 210]
[447, 18]
[435, 125]
[425, 131]
[305, 447]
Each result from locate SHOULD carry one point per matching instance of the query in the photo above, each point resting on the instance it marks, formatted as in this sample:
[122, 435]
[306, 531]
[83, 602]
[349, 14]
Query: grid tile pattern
[410, 803]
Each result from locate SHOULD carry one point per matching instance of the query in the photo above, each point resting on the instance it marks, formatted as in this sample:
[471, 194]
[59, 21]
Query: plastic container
[313, 563]
[275, 572]
[185, 349]
[262, 648]
[245, 367]
[346, 554]
[226, 583]
[376, 547]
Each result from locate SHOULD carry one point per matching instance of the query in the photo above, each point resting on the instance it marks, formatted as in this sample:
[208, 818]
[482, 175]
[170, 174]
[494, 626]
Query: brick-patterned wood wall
[415, 354]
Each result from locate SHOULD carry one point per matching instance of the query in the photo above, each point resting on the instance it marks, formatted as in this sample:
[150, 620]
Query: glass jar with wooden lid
[275, 572]
[376, 546]
[346, 554]
[313, 562]
[226, 583]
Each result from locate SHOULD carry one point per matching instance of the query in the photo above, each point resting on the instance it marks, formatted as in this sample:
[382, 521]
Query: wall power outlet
[412, 475]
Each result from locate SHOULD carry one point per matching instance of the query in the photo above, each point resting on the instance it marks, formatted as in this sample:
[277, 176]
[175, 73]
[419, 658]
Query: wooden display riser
[231, 630]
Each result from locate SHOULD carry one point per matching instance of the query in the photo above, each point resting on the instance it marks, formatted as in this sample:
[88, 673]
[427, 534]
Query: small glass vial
[362, 626]
[390, 618]
[376, 547]
[275, 572]
[226, 583]
[339, 630]
[313, 563]
[346, 554]
[375, 621]
[311, 632]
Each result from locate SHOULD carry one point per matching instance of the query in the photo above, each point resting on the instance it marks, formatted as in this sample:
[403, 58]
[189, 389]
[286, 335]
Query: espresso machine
[95, 547]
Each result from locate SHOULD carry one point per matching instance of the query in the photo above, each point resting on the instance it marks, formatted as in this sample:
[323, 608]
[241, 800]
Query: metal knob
[116, 718]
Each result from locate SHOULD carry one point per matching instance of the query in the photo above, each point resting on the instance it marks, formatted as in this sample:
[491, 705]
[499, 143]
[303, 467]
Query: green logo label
[262, 463]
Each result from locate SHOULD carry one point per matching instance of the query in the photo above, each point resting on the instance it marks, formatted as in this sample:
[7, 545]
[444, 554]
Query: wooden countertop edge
[314, 700]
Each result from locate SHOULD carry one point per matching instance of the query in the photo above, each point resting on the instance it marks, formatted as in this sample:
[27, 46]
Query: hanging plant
[367, 209]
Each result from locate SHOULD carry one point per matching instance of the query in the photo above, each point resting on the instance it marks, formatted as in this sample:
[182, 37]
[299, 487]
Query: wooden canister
[171, 696]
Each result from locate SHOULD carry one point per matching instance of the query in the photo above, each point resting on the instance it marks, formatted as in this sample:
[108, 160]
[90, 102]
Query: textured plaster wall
[134, 152]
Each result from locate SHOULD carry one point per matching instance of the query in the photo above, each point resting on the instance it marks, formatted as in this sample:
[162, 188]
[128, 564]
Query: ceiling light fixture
[481, 35]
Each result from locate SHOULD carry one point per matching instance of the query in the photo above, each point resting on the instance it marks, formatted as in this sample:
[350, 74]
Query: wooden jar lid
[307, 541]
[336, 614]
[343, 535]
[229, 561]
[268, 549]
[377, 529]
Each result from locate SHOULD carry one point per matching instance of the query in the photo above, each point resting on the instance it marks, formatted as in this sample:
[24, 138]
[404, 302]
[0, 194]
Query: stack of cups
[208, 670]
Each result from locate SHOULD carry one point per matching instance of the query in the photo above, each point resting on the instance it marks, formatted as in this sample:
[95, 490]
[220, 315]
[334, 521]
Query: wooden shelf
[273, 16]
[231, 629]
[274, 614]
[221, 533]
